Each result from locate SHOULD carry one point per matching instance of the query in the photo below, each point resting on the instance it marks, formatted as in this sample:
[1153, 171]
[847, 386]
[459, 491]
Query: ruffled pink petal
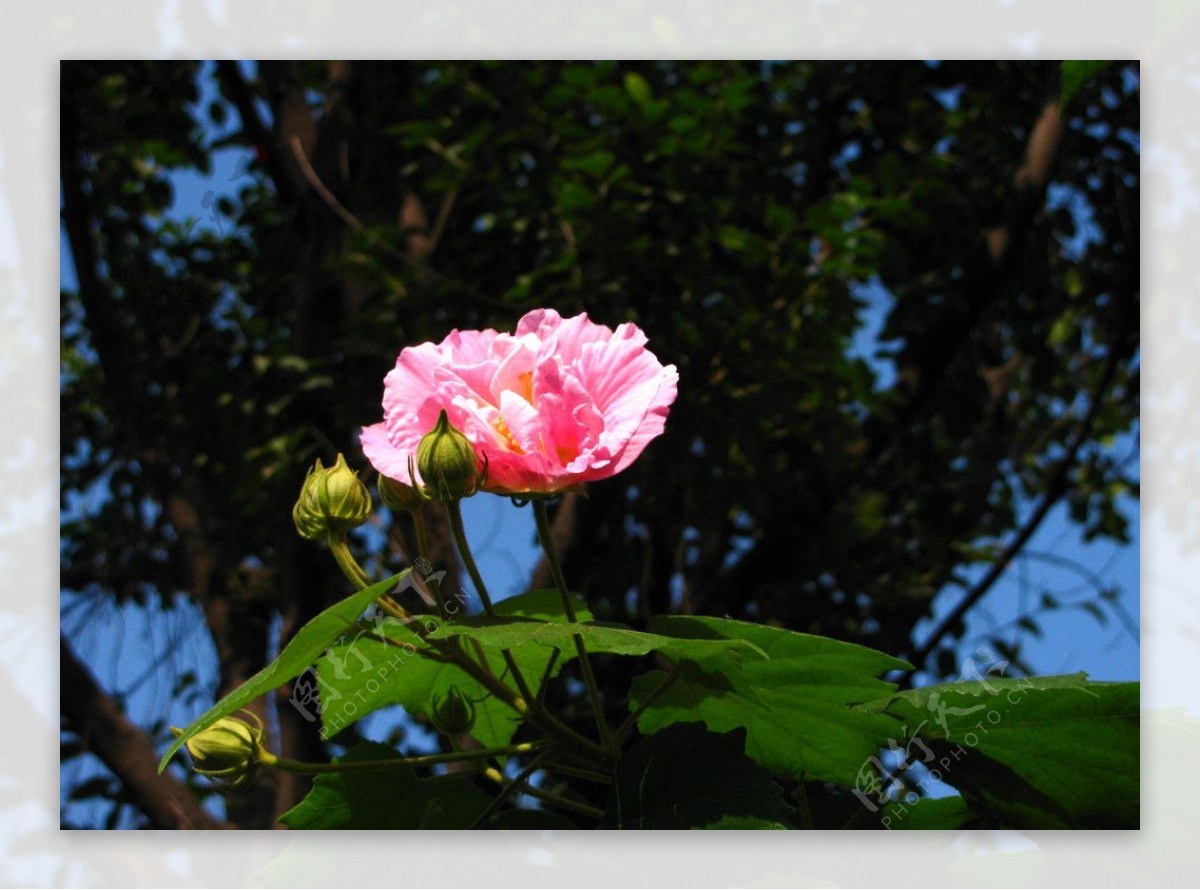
[652, 422]
[389, 460]
[561, 401]
[410, 384]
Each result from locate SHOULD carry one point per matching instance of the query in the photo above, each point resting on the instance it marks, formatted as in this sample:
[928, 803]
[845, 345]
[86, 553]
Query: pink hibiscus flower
[560, 402]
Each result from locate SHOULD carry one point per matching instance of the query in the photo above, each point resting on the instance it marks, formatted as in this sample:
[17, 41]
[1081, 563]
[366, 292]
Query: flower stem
[454, 508]
[464, 550]
[346, 562]
[352, 570]
[296, 766]
[547, 541]
[585, 666]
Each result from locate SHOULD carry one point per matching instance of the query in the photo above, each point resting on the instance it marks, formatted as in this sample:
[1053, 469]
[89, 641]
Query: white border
[34, 853]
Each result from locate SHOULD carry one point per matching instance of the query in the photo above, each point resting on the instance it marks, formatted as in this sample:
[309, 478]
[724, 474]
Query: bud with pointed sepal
[332, 501]
[230, 751]
[454, 714]
[447, 463]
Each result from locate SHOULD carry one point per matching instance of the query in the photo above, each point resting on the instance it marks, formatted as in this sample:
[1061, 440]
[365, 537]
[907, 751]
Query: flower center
[505, 433]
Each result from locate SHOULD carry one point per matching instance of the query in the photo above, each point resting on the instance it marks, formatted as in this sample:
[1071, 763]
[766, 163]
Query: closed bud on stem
[332, 501]
[230, 751]
[398, 496]
[446, 462]
[454, 714]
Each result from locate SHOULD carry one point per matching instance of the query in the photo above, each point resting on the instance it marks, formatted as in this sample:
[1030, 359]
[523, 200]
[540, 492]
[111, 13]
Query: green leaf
[574, 197]
[595, 164]
[930, 813]
[731, 237]
[386, 798]
[303, 650]
[367, 674]
[685, 777]
[1075, 75]
[1041, 752]
[797, 707]
[638, 89]
[600, 637]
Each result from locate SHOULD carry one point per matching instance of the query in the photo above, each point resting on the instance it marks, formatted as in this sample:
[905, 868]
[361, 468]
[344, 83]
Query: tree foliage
[750, 217]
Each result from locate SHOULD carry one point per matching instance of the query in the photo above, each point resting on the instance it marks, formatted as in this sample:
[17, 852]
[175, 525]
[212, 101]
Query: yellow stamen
[502, 428]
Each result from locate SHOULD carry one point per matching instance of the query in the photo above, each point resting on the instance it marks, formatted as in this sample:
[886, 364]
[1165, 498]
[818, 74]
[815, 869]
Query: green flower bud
[332, 501]
[454, 714]
[398, 496]
[446, 462]
[230, 750]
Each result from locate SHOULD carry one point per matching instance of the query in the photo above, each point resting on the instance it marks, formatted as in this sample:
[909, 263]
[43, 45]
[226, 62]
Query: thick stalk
[352, 570]
[340, 549]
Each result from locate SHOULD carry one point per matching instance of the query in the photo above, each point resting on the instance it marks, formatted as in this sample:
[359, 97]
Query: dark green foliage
[687, 777]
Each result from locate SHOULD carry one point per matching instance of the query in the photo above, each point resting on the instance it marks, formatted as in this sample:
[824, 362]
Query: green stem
[545, 684]
[346, 562]
[454, 508]
[352, 570]
[574, 806]
[632, 719]
[587, 774]
[546, 538]
[589, 679]
[464, 550]
[506, 791]
[543, 720]
[296, 766]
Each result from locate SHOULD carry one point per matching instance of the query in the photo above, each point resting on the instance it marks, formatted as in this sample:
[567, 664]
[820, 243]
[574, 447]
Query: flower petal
[560, 402]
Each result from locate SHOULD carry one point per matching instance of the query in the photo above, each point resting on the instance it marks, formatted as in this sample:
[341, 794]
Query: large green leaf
[796, 707]
[392, 797]
[688, 777]
[367, 674]
[310, 641]
[599, 637]
[1046, 752]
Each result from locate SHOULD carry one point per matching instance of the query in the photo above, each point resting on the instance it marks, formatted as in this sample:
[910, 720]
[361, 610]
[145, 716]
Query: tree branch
[125, 749]
[1055, 489]
[235, 87]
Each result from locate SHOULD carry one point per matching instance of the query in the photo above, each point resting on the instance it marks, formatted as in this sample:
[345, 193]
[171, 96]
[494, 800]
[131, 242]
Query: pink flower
[561, 401]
